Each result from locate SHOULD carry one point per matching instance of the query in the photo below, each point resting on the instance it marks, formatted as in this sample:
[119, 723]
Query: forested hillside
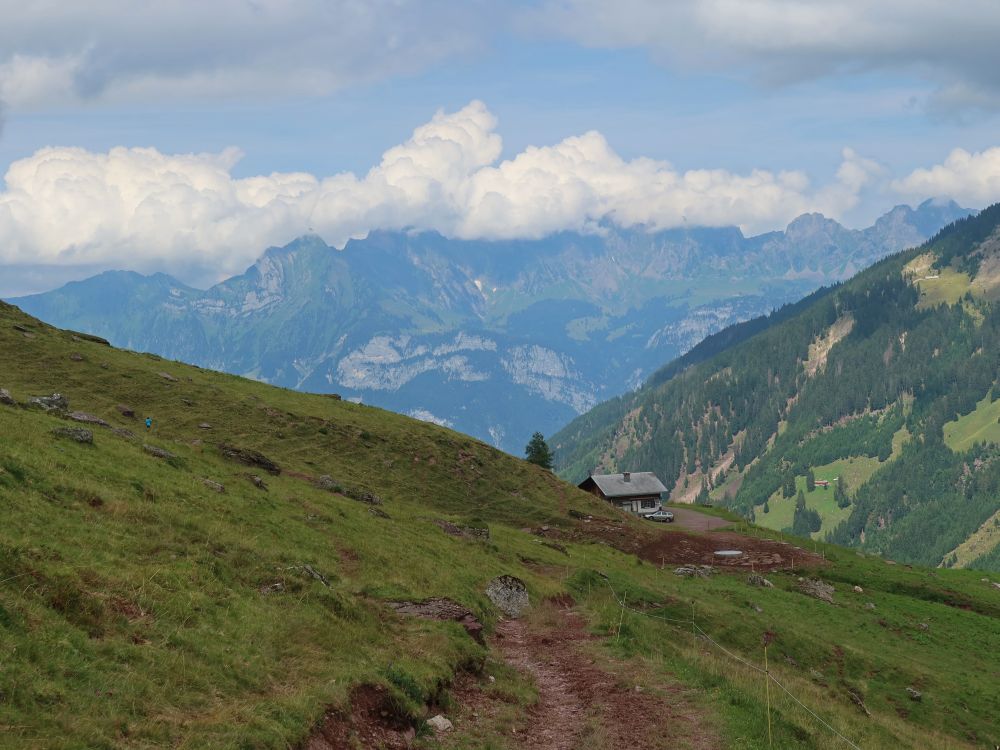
[866, 414]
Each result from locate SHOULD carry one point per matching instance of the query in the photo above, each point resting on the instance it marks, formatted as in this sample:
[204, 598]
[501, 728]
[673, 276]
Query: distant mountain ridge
[497, 339]
[867, 414]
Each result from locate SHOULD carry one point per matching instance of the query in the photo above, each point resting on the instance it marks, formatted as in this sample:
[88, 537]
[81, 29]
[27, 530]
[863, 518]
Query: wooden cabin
[635, 491]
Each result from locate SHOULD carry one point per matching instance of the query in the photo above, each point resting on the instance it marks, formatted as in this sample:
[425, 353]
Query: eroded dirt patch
[581, 703]
[372, 722]
[679, 547]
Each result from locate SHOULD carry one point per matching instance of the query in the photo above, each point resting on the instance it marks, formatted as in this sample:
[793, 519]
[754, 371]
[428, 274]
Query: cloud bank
[953, 44]
[140, 208]
[123, 50]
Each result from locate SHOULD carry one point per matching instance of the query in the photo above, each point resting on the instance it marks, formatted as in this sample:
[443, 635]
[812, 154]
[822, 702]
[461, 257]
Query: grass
[944, 286]
[979, 426]
[141, 608]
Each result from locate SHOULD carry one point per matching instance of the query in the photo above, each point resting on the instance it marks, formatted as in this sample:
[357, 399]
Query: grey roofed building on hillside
[635, 491]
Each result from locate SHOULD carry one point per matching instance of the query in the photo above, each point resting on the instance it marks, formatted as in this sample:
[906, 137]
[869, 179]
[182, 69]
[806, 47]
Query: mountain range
[495, 339]
[867, 414]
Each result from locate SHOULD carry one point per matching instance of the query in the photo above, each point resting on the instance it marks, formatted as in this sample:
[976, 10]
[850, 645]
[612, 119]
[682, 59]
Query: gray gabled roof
[640, 483]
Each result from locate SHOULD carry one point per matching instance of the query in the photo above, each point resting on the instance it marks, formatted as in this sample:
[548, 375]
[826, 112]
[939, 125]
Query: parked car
[663, 516]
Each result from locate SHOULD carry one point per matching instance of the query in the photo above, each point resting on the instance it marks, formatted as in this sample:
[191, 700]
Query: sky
[187, 136]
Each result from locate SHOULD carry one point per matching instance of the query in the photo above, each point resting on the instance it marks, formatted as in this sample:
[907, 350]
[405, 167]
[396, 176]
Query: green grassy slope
[140, 607]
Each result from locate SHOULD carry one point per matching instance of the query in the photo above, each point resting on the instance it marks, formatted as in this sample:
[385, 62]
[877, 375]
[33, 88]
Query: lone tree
[537, 451]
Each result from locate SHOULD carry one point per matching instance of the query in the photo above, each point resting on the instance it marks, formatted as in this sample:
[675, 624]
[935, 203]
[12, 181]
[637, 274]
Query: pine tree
[537, 451]
[800, 501]
[840, 494]
[810, 480]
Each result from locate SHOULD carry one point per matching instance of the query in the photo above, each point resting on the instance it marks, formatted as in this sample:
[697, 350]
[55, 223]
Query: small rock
[440, 724]
[317, 575]
[756, 579]
[915, 695]
[690, 571]
[985, 580]
[755, 608]
[167, 376]
[858, 590]
[996, 585]
[870, 605]
[6, 398]
[817, 676]
[126, 411]
[187, 401]
[509, 594]
[204, 426]
[214, 486]
[76, 434]
[76, 357]
[378, 512]
[492, 679]
[158, 452]
[924, 626]
[257, 482]
[817, 589]
[80, 416]
[55, 402]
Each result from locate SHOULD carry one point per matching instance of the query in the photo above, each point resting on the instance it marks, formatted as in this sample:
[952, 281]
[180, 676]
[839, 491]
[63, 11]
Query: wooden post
[621, 617]
[767, 691]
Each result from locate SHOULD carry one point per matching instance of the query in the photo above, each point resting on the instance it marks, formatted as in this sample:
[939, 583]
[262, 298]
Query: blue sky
[767, 93]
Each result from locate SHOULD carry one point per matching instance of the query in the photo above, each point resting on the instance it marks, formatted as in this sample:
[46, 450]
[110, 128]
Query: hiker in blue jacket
[149, 422]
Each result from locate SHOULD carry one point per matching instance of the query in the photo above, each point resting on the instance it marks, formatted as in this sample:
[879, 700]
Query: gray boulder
[756, 579]
[6, 398]
[817, 589]
[76, 434]
[509, 594]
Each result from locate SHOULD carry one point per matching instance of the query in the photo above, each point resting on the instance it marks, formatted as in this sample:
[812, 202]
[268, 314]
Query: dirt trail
[582, 705]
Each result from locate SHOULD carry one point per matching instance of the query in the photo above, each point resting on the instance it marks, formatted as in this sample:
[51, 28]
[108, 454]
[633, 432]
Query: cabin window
[648, 503]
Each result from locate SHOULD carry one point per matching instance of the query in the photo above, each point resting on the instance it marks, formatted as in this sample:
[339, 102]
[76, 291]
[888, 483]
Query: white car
[663, 516]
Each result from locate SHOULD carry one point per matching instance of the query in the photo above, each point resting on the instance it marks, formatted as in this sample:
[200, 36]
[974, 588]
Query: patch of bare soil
[371, 723]
[581, 704]
[681, 548]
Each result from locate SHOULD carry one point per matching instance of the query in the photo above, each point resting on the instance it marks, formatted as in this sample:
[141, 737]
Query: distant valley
[495, 339]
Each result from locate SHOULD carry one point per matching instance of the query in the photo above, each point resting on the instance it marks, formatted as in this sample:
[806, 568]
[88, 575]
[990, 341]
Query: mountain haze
[496, 339]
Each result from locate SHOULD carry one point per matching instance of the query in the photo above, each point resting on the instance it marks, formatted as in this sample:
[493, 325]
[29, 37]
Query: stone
[817, 589]
[317, 575]
[213, 485]
[509, 594]
[204, 426]
[693, 571]
[858, 590]
[328, 483]
[996, 585]
[76, 434]
[440, 724]
[167, 376]
[80, 416]
[915, 695]
[870, 605]
[756, 579]
[6, 398]
[257, 482]
[74, 357]
[126, 411]
[249, 457]
[55, 402]
[378, 512]
[924, 626]
[158, 452]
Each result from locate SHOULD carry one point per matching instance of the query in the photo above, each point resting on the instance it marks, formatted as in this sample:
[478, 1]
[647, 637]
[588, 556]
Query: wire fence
[736, 657]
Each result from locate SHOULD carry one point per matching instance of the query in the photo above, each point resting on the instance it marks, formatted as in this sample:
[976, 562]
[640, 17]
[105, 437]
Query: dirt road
[693, 520]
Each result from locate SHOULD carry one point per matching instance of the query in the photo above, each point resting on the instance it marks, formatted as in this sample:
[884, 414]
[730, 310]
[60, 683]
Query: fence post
[621, 617]
[767, 690]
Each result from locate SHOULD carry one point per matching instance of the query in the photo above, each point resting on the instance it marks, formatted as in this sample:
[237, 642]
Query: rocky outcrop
[158, 452]
[80, 416]
[6, 399]
[55, 402]
[816, 589]
[442, 609]
[249, 457]
[76, 434]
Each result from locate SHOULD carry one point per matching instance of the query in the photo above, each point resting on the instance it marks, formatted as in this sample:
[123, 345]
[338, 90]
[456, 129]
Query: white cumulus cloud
[187, 214]
[971, 178]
